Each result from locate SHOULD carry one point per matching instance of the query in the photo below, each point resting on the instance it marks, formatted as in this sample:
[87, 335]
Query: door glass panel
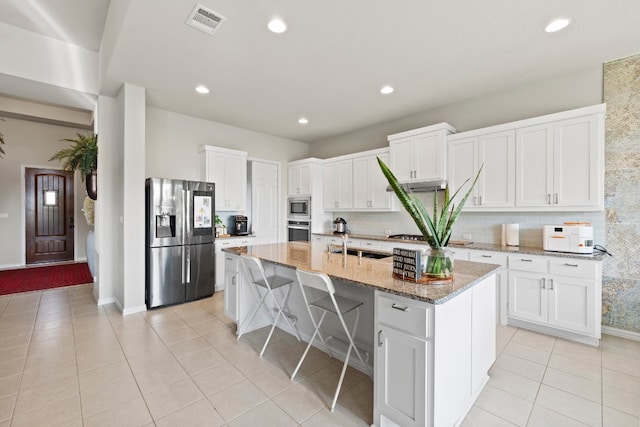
[50, 198]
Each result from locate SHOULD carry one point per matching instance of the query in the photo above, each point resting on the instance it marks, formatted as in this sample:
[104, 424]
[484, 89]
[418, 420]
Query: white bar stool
[330, 303]
[255, 272]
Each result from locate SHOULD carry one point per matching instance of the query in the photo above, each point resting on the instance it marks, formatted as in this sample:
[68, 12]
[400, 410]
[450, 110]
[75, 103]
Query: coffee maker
[239, 225]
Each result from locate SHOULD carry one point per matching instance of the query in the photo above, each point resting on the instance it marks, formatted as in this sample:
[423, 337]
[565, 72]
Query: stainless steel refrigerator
[180, 255]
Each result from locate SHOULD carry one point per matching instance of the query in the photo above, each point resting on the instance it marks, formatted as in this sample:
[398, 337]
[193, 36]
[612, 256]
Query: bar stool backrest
[315, 280]
[255, 269]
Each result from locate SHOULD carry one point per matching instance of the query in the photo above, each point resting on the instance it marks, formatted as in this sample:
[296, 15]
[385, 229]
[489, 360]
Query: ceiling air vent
[205, 20]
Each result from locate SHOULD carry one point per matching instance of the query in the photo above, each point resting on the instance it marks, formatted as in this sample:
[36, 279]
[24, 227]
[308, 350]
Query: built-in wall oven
[299, 231]
[299, 208]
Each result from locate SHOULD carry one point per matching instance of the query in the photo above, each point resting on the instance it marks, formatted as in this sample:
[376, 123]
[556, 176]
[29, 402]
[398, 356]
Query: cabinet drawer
[404, 315]
[528, 263]
[370, 244]
[574, 268]
[458, 253]
[488, 257]
[231, 263]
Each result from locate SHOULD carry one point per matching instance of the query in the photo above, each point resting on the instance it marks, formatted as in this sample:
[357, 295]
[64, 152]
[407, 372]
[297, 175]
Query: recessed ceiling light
[202, 89]
[303, 120]
[277, 26]
[386, 90]
[557, 25]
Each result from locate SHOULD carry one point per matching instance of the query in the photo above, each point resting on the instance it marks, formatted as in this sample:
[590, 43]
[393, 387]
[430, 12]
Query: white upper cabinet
[228, 170]
[560, 164]
[420, 154]
[553, 162]
[495, 153]
[369, 183]
[300, 179]
[337, 179]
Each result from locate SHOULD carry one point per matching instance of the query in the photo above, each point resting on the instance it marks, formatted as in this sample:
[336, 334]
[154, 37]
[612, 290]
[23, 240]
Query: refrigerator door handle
[187, 264]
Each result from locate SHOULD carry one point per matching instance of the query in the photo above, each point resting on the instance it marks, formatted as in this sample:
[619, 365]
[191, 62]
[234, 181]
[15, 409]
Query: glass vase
[438, 264]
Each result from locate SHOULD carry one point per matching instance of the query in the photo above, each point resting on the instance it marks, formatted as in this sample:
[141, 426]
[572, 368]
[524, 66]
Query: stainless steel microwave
[299, 208]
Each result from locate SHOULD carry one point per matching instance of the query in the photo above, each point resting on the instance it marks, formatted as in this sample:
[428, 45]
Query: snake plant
[437, 229]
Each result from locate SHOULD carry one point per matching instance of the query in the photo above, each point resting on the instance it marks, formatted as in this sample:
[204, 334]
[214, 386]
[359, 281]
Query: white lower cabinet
[561, 296]
[232, 282]
[431, 361]
[401, 398]
[220, 244]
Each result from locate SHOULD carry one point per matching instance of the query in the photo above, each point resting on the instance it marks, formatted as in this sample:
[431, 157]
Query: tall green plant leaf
[436, 231]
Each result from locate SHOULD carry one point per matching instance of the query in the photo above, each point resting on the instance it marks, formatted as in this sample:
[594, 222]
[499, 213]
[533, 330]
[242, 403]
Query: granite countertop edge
[468, 275]
[528, 250]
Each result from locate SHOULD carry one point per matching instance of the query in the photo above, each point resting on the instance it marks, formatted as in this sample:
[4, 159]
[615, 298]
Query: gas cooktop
[407, 237]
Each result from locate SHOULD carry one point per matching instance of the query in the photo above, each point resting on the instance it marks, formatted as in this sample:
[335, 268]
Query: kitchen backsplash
[483, 227]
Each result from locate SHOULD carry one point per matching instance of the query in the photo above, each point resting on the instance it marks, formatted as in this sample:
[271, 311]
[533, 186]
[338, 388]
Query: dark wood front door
[49, 215]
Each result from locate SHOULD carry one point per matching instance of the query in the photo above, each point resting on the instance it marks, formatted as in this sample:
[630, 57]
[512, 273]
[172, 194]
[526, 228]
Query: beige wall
[31, 144]
[173, 140]
[579, 89]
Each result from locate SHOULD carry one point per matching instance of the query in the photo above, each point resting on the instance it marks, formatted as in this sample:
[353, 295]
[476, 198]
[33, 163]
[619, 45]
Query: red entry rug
[38, 278]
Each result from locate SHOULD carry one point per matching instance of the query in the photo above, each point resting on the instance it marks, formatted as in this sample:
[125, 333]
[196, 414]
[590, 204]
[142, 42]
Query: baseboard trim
[104, 301]
[133, 310]
[635, 336]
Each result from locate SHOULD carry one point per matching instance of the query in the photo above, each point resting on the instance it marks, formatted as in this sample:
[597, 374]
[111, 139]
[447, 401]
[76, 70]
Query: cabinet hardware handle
[475, 200]
[487, 256]
[397, 307]
[233, 280]
[380, 338]
[551, 284]
[556, 198]
[548, 199]
[570, 265]
[526, 260]
[480, 200]
[544, 283]
[229, 259]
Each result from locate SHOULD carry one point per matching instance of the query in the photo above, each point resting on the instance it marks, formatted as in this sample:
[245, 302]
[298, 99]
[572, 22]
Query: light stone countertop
[528, 250]
[370, 273]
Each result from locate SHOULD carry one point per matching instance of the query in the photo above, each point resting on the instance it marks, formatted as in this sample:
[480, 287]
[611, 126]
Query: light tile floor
[66, 362]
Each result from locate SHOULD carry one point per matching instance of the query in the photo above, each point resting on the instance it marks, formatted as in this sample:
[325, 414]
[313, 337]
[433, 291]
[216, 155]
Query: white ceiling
[336, 54]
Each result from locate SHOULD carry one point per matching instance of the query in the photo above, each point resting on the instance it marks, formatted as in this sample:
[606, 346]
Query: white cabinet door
[400, 379]
[463, 158]
[402, 162]
[495, 153]
[232, 278]
[496, 184]
[534, 166]
[370, 184]
[558, 164]
[575, 162]
[229, 172]
[235, 183]
[299, 180]
[429, 156]
[528, 299]
[338, 185]
[571, 303]
[420, 154]
[361, 188]
[216, 173]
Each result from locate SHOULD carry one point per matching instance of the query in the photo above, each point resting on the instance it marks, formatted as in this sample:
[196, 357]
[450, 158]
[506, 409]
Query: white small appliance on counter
[572, 237]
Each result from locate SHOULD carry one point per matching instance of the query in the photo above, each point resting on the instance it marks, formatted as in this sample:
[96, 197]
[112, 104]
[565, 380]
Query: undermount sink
[365, 254]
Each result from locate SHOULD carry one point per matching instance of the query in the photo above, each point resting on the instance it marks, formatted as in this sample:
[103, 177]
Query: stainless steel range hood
[423, 186]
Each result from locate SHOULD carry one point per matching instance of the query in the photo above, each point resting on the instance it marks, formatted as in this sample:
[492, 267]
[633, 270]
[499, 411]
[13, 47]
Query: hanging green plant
[82, 155]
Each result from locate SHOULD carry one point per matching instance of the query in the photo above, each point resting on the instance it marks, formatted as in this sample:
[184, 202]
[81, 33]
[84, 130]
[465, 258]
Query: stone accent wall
[621, 278]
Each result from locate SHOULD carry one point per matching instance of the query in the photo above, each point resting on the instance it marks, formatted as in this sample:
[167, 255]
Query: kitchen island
[430, 345]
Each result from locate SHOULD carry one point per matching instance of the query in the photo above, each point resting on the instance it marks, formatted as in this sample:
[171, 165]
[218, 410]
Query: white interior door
[264, 201]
